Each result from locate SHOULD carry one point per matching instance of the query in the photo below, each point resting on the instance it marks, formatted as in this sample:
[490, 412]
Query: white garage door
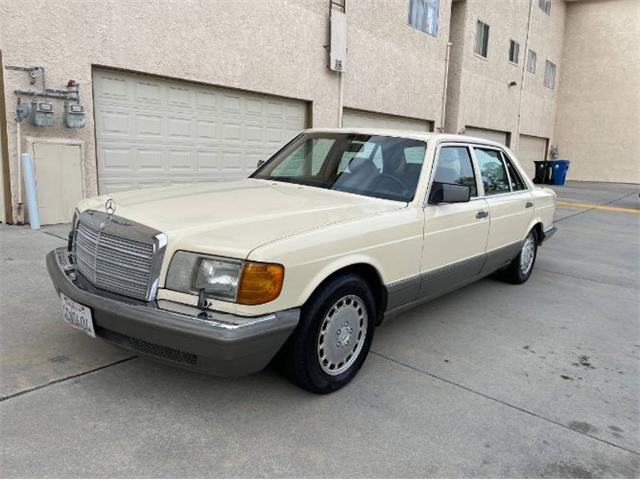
[358, 118]
[152, 131]
[531, 149]
[495, 135]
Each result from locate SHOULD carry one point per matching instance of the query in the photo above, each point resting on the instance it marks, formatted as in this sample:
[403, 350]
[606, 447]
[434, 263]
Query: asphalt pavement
[499, 380]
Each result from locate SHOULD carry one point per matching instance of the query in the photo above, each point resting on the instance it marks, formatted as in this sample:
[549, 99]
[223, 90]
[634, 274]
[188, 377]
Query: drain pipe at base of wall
[444, 87]
[30, 187]
[340, 98]
[19, 205]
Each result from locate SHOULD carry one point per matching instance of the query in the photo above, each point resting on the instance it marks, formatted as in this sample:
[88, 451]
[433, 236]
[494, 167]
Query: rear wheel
[333, 337]
[521, 267]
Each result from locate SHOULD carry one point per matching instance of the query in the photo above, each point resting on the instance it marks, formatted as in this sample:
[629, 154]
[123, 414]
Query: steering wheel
[386, 176]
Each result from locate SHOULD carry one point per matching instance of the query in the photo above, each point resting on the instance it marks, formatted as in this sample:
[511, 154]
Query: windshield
[371, 165]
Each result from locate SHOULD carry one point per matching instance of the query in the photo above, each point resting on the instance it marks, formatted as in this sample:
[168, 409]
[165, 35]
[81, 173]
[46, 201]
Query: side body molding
[413, 291]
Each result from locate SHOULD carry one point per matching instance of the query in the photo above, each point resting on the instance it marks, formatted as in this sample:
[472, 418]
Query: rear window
[494, 175]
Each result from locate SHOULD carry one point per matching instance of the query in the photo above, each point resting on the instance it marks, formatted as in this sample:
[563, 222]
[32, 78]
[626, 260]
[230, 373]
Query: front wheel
[521, 267]
[333, 337]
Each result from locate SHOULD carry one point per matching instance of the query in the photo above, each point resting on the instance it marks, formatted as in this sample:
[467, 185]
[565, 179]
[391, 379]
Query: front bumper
[220, 344]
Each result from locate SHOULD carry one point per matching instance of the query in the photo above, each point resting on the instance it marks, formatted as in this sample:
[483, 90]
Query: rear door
[455, 234]
[510, 205]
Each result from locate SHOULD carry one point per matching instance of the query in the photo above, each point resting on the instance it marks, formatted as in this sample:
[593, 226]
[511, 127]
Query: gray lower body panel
[219, 344]
[413, 291]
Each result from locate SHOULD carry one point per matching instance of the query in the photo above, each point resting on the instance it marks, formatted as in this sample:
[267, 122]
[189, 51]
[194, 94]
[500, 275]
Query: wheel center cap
[344, 335]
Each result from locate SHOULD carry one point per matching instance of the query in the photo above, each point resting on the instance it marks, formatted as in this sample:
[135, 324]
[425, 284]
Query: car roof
[413, 134]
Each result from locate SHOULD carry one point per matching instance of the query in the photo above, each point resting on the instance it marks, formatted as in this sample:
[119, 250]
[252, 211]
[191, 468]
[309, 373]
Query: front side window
[532, 58]
[517, 183]
[423, 15]
[514, 51]
[370, 165]
[549, 74]
[455, 166]
[482, 39]
[494, 175]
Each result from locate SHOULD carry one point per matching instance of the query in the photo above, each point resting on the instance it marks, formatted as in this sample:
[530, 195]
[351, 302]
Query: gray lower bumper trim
[548, 233]
[222, 344]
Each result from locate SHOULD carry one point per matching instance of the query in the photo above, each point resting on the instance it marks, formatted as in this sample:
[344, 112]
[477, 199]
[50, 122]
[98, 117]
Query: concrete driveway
[493, 380]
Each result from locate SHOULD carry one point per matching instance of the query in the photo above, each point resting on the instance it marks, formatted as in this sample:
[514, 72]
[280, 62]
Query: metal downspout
[524, 69]
[444, 87]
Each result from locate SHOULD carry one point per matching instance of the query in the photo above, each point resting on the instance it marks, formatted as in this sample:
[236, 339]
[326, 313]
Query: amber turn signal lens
[260, 283]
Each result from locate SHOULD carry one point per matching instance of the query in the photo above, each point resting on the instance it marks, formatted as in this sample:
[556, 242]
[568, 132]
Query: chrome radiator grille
[111, 261]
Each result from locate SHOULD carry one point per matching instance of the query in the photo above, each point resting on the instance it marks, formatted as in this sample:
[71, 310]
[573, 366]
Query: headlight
[231, 280]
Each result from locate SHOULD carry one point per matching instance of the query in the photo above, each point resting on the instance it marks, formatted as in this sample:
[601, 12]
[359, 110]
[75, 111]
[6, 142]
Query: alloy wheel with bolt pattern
[333, 336]
[521, 268]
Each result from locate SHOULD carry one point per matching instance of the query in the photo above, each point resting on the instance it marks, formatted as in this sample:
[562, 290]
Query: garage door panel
[179, 161]
[358, 118]
[151, 161]
[179, 132]
[149, 125]
[531, 149]
[179, 97]
[147, 92]
[487, 134]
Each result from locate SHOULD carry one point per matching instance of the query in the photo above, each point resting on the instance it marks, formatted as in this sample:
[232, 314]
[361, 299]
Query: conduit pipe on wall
[30, 187]
[340, 97]
[444, 87]
[516, 146]
[19, 206]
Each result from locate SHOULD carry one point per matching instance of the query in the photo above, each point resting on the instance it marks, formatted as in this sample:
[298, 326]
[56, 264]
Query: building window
[545, 6]
[531, 61]
[514, 51]
[549, 74]
[482, 39]
[423, 15]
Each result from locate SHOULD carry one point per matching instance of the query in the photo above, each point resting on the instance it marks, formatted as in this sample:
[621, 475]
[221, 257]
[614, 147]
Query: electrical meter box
[74, 115]
[42, 113]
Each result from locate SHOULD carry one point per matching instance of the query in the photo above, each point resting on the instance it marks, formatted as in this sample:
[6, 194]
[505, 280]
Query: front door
[455, 234]
[510, 206]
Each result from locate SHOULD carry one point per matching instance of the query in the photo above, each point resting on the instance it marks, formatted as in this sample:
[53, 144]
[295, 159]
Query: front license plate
[77, 315]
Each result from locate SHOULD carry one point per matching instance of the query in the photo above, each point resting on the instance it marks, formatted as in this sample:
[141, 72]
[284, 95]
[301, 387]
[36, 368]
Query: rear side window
[455, 166]
[494, 175]
[516, 180]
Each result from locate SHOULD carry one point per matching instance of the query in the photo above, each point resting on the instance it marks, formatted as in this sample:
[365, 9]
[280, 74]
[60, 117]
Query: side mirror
[260, 163]
[449, 193]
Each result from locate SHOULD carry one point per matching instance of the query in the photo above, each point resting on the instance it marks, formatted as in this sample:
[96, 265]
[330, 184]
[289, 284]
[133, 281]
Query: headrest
[357, 163]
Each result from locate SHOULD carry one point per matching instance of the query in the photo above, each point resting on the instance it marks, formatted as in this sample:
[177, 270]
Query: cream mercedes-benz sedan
[338, 231]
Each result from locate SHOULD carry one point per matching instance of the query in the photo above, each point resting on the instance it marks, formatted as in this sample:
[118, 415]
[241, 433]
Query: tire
[332, 340]
[521, 267]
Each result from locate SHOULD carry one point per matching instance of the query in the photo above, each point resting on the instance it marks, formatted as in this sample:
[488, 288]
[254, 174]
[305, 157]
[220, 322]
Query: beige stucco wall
[394, 68]
[598, 120]
[274, 47]
[478, 93]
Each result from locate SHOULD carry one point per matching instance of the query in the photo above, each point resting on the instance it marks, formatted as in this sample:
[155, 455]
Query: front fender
[334, 266]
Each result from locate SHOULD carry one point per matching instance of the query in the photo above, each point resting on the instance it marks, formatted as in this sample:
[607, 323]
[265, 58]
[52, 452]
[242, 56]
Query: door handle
[528, 205]
[482, 214]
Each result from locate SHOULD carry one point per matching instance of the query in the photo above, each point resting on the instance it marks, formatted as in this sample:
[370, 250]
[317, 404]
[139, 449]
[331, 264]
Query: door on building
[152, 131]
[359, 118]
[487, 134]
[531, 149]
[58, 175]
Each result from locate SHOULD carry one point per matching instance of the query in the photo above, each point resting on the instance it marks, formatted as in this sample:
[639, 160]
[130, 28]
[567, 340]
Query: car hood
[233, 218]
